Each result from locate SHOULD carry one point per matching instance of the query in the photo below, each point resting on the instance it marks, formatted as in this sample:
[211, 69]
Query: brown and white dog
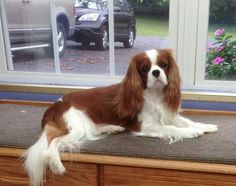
[145, 102]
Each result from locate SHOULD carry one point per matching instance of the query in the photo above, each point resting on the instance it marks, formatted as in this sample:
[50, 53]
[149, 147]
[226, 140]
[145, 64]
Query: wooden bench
[107, 168]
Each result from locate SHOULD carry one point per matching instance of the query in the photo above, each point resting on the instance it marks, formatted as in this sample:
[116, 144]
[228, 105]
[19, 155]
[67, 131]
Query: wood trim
[187, 95]
[23, 102]
[13, 181]
[182, 111]
[134, 162]
[207, 112]
[209, 96]
[133, 176]
[35, 88]
[100, 174]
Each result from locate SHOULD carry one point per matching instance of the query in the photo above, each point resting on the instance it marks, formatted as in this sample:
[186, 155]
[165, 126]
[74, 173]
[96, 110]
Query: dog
[145, 103]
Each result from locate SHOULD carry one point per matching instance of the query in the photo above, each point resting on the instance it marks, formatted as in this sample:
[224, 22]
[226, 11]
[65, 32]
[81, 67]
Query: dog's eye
[145, 69]
[163, 66]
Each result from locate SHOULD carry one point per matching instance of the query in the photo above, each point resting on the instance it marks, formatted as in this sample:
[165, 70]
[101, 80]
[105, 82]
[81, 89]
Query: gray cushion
[20, 127]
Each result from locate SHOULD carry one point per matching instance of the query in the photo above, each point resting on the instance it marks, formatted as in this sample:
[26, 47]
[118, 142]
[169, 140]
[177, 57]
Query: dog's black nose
[156, 73]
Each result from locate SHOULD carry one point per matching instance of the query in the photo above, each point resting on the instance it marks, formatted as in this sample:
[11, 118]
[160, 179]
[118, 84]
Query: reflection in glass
[29, 35]
[141, 25]
[30, 31]
[87, 51]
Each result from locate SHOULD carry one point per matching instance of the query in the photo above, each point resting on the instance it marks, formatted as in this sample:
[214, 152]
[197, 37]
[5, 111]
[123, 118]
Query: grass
[152, 26]
[149, 25]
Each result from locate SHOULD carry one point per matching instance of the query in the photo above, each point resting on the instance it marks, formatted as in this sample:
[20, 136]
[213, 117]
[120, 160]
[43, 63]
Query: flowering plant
[221, 56]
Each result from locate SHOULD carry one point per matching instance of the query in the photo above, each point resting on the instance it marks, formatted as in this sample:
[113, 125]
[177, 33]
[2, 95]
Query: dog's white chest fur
[154, 112]
[157, 121]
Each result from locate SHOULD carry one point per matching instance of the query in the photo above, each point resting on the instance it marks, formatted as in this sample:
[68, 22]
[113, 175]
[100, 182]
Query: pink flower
[218, 49]
[209, 45]
[219, 32]
[217, 60]
[234, 59]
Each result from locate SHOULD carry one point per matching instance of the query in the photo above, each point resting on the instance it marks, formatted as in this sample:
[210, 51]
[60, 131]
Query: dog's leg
[109, 129]
[206, 128]
[170, 133]
[53, 156]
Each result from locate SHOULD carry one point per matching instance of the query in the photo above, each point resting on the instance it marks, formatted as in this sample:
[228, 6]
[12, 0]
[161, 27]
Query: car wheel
[102, 42]
[129, 42]
[85, 43]
[61, 40]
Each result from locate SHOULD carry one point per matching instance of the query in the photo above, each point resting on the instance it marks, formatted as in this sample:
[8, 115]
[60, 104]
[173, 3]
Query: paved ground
[85, 61]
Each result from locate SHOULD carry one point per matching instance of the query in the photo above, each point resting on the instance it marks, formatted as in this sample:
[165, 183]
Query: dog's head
[152, 69]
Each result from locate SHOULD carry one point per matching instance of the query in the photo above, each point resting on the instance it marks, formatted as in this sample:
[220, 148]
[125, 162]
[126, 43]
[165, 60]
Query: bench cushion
[20, 127]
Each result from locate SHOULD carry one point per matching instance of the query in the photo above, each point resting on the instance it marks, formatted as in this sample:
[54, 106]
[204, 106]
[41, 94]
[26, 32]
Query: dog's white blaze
[152, 55]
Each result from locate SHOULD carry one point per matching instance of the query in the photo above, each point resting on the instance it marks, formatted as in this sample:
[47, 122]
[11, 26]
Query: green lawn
[157, 26]
[152, 26]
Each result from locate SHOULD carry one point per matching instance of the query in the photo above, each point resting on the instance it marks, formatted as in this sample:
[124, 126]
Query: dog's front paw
[193, 133]
[209, 128]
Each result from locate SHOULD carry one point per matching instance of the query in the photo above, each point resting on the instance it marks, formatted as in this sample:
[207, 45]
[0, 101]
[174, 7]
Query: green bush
[155, 7]
[223, 11]
[221, 57]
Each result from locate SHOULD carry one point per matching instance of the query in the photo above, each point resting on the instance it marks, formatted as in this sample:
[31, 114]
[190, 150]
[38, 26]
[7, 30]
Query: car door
[121, 17]
[18, 20]
[40, 20]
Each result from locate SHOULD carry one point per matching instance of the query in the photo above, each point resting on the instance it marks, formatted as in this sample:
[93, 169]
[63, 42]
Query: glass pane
[139, 25]
[221, 46]
[87, 50]
[29, 30]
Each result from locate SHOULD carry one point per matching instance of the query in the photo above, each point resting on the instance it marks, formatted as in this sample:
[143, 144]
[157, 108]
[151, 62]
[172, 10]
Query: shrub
[221, 57]
[223, 11]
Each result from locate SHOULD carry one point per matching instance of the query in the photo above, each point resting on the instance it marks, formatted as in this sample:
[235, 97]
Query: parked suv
[92, 23]
[29, 24]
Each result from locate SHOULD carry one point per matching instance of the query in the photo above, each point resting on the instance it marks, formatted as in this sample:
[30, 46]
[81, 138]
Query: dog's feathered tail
[43, 153]
[35, 163]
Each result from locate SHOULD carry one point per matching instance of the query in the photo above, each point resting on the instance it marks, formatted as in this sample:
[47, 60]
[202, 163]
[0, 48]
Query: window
[96, 55]
[192, 40]
[216, 51]
[149, 29]
[29, 35]
[99, 55]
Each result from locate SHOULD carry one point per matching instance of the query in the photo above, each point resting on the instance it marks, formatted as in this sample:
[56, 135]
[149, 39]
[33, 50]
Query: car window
[121, 4]
[91, 4]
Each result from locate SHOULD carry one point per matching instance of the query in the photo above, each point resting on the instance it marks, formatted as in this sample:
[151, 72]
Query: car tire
[129, 42]
[102, 42]
[61, 36]
[85, 43]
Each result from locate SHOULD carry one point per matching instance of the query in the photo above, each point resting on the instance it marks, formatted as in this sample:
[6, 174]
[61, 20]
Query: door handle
[25, 1]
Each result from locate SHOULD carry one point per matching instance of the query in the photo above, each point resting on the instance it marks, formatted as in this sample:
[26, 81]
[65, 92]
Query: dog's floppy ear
[129, 100]
[172, 91]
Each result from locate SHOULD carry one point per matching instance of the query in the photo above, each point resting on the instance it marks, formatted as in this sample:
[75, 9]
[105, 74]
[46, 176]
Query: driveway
[85, 61]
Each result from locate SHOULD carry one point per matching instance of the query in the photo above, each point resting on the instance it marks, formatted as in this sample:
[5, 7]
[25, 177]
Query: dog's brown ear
[129, 100]
[172, 91]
